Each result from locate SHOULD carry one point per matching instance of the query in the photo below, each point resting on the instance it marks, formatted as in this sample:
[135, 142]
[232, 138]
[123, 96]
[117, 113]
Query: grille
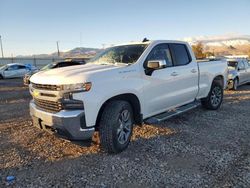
[46, 87]
[49, 106]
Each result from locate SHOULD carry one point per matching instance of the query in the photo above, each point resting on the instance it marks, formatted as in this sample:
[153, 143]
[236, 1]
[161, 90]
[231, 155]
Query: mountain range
[221, 45]
[76, 52]
[225, 40]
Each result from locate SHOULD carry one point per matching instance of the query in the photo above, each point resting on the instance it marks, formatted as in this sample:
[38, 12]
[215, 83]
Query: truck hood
[71, 74]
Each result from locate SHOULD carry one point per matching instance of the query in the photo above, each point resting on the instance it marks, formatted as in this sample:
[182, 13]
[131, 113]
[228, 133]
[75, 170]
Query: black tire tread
[106, 123]
[206, 103]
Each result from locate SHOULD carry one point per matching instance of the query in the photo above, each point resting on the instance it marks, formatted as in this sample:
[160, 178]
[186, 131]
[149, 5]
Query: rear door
[247, 65]
[242, 72]
[186, 72]
[22, 70]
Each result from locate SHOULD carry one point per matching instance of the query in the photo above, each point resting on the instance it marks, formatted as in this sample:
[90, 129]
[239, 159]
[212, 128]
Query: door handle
[174, 74]
[193, 70]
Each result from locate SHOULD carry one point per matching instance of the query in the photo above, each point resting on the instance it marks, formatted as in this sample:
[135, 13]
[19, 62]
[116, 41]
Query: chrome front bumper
[69, 124]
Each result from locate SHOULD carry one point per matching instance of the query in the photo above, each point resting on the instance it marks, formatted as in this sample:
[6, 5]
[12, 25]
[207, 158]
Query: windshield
[3, 67]
[232, 64]
[49, 66]
[127, 54]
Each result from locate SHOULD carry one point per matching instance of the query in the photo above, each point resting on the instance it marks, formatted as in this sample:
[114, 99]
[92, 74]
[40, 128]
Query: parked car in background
[53, 65]
[15, 70]
[238, 73]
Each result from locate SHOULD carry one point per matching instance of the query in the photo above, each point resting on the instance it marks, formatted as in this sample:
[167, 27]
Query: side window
[13, 67]
[181, 54]
[21, 67]
[63, 64]
[74, 63]
[161, 52]
[241, 65]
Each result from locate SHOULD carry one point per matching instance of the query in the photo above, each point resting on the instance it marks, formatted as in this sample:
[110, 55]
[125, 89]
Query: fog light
[72, 104]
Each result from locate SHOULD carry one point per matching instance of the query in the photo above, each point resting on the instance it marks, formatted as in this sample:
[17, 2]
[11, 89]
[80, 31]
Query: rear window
[181, 54]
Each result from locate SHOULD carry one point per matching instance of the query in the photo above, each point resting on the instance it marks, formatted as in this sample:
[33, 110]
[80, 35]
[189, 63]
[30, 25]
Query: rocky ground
[197, 149]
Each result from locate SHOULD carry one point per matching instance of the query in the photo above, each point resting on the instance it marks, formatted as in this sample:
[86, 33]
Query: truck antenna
[145, 40]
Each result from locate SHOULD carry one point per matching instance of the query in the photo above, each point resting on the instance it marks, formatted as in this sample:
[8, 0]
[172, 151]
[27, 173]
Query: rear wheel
[214, 99]
[116, 126]
[235, 84]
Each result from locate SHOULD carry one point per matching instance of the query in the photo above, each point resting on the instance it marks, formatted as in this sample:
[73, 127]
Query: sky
[33, 26]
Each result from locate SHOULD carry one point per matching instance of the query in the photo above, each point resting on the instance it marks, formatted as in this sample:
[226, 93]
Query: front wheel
[116, 126]
[214, 99]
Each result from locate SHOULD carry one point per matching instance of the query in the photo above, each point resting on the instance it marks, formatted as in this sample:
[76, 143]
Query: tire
[235, 84]
[215, 97]
[116, 126]
[1, 77]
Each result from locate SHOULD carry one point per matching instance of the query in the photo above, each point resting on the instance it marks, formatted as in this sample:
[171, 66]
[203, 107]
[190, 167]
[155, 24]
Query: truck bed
[208, 70]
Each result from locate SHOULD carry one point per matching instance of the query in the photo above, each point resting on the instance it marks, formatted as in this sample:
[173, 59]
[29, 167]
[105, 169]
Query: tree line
[199, 51]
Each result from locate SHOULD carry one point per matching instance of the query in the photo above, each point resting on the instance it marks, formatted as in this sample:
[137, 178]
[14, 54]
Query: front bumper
[67, 124]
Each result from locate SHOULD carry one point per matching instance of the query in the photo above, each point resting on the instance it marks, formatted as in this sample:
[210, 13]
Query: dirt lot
[198, 149]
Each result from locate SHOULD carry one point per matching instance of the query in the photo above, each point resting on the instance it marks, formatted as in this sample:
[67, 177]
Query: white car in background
[14, 70]
[238, 73]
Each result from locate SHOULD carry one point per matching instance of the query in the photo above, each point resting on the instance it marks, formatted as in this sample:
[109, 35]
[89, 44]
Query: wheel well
[219, 79]
[133, 101]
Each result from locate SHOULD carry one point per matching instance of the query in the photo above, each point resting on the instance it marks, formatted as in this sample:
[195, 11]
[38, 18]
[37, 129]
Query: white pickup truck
[124, 85]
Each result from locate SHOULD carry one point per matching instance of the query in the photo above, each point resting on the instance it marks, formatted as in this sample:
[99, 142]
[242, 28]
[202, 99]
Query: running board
[173, 112]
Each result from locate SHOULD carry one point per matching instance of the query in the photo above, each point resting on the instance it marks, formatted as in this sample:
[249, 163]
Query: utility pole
[1, 45]
[58, 52]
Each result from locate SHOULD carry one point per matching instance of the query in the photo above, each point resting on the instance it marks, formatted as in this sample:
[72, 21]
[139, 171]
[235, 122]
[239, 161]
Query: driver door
[11, 71]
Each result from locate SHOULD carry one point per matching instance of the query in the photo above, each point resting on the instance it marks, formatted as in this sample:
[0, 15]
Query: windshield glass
[126, 54]
[47, 67]
[232, 64]
[3, 67]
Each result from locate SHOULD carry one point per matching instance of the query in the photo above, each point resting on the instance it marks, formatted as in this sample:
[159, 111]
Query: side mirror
[156, 64]
[240, 68]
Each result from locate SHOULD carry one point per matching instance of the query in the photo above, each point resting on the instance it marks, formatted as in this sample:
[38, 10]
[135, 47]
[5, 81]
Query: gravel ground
[197, 149]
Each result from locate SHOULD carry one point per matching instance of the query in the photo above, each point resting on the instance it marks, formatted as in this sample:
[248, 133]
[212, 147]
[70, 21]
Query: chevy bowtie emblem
[36, 93]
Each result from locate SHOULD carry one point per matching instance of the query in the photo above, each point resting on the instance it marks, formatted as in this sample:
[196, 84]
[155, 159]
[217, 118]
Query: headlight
[77, 87]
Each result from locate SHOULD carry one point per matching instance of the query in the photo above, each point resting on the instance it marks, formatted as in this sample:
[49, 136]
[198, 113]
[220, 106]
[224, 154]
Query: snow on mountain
[220, 41]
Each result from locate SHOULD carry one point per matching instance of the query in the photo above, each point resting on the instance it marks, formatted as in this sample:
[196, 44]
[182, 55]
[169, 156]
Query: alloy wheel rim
[125, 127]
[216, 96]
